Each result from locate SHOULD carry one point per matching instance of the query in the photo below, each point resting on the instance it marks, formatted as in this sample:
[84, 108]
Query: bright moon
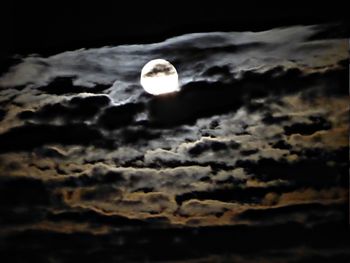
[158, 76]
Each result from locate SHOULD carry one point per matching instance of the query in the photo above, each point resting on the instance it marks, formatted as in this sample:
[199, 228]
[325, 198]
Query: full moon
[158, 76]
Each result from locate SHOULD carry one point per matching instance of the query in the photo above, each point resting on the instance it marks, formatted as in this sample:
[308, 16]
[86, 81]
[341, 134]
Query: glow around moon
[158, 76]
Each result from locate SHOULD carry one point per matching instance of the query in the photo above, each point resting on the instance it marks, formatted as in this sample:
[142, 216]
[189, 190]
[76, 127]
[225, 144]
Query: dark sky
[50, 27]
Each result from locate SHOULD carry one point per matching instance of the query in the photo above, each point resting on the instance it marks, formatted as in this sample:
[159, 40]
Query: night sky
[248, 162]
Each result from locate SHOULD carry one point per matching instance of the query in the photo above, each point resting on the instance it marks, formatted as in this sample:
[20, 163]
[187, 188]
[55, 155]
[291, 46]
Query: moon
[158, 77]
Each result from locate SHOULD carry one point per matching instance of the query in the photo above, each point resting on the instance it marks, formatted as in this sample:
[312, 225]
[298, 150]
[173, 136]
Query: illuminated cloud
[255, 141]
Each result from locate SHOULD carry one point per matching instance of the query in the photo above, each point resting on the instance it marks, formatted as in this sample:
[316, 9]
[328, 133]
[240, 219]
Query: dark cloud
[185, 54]
[318, 124]
[94, 218]
[339, 156]
[281, 144]
[49, 152]
[194, 101]
[331, 31]
[30, 136]
[145, 190]
[204, 98]
[138, 135]
[216, 166]
[96, 177]
[76, 109]
[310, 213]
[312, 172]
[331, 83]
[117, 116]
[249, 152]
[2, 114]
[270, 119]
[160, 69]
[64, 85]
[213, 146]
[100, 192]
[158, 220]
[250, 155]
[223, 71]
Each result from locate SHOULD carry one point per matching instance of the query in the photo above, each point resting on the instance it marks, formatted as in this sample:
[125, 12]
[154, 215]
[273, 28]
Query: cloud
[232, 193]
[199, 99]
[28, 137]
[301, 173]
[103, 192]
[65, 85]
[132, 179]
[99, 175]
[94, 218]
[212, 146]
[330, 139]
[270, 119]
[257, 135]
[307, 214]
[327, 195]
[281, 144]
[221, 72]
[50, 152]
[195, 208]
[317, 124]
[77, 109]
[116, 116]
[330, 31]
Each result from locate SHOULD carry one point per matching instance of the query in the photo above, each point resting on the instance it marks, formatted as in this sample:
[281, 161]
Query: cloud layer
[256, 139]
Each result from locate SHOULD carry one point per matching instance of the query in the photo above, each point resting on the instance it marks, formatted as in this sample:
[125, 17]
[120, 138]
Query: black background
[53, 26]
